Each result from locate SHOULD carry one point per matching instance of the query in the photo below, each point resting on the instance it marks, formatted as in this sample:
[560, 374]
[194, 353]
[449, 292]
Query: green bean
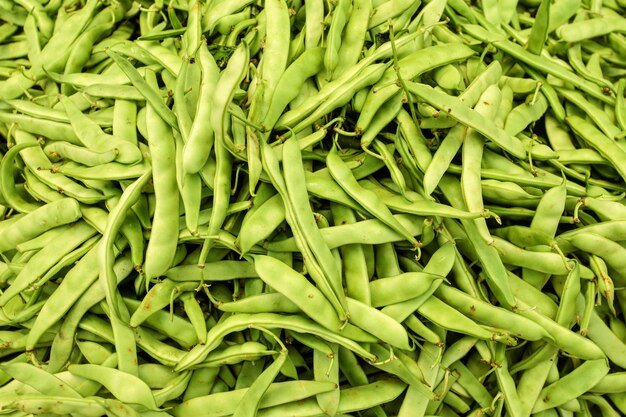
[566, 340]
[550, 263]
[321, 184]
[386, 262]
[146, 90]
[63, 341]
[91, 135]
[577, 382]
[296, 194]
[200, 140]
[395, 289]
[386, 11]
[604, 145]
[38, 403]
[539, 32]
[609, 251]
[36, 110]
[414, 203]
[261, 303]
[440, 263]
[578, 31]
[213, 271]
[46, 259]
[298, 289]
[339, 97]
[378, 324]
[159, 296]
[468, 117]
[526, 113]
[134, 390]
[39, 379]
[338, 21]
[541, 64]
[409, 68]
[599, 117]
[174, 389]
[354, 36]
[446, 151]
[232, 77]
[250, 401]
[620, 105]
[107, 171]
[447, 317]
[326, 368]
[13, 198]
[224, 404]
[574, 55]
[354, 261]
[37, 162]
[367, 198]
[603, 337]
[159, 253]
[491, 315]
[201, 383]
[214, 12]
[266, 320]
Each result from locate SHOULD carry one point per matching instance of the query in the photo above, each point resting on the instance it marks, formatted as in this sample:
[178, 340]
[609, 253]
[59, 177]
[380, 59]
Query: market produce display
[313, 208]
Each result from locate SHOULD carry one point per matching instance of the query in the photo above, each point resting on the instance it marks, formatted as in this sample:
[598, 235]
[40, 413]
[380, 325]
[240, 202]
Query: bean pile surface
[324, 208]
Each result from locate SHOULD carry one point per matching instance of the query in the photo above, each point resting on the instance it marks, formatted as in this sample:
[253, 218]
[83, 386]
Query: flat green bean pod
[456, 110]
[224, 404]
[298, 289]
[266, 320]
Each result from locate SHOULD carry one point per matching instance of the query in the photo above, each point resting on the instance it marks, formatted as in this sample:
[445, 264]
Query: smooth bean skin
[133, 389]
[391, 290]
[569, 341]
[610, 383]
[13, 198]
[296, 194]
[577, 31]
[603, 337]
[543, 65]
[234, 354]
[547, 262]
[159, 296]
[200, 139]
[75, 283]
[38, 403]
[224, 270]
[410, 67]
[162, 244]
[251, 400]
[378, 324]
[305, 66]
[151, 95]
[371, 232]
[298, 289]
[224, 404]
[491, 315]
[367, 198]
[351, 400]
[572, 385]
[39, 379]
[266, 320]
[57, 213]
[46, 259]
[354, 258]
[610, 251]
[261, 303]
[455, 109]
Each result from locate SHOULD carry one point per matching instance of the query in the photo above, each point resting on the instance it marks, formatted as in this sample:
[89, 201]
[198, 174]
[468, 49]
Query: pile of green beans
[313, 208]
